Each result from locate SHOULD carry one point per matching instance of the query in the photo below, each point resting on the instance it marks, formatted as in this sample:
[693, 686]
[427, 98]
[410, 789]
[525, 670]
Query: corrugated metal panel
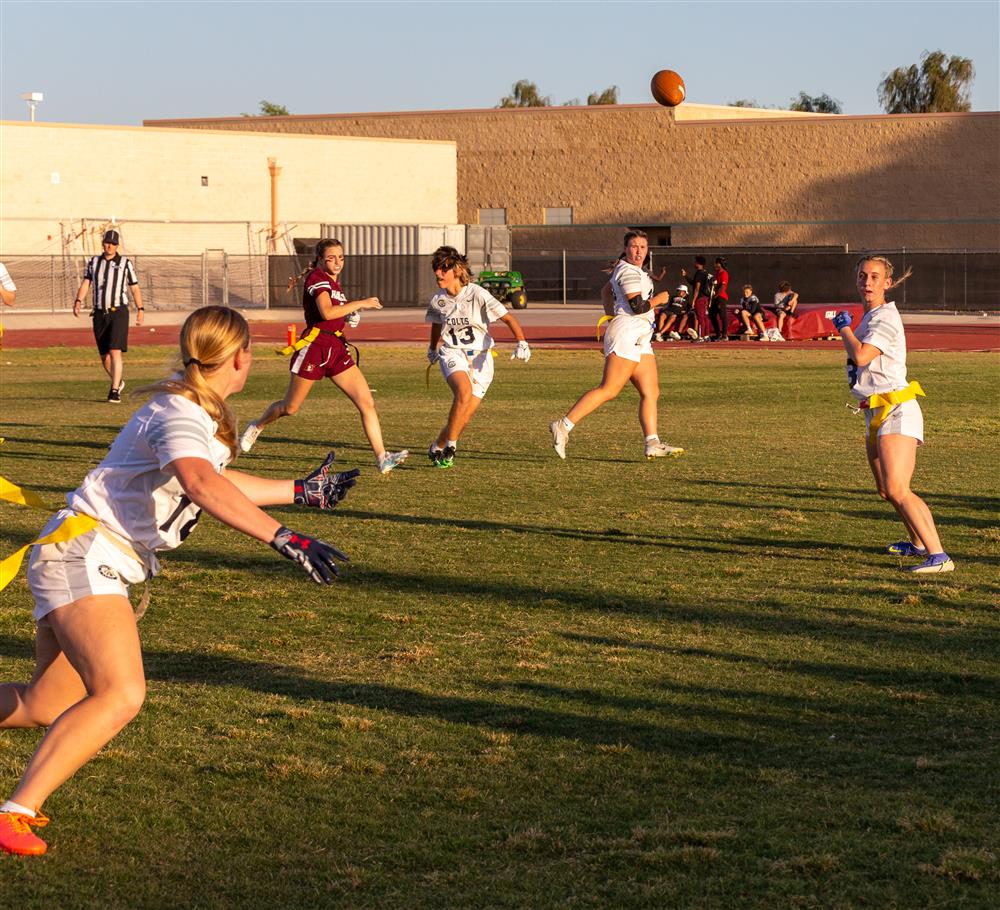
[395, 239]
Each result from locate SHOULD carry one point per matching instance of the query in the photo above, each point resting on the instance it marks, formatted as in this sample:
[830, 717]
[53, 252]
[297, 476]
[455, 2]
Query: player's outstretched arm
[324, 488]
[522, 351]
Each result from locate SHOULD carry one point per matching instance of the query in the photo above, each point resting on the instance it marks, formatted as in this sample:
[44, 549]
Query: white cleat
[662, 450]
[249, 436]
[560, 436]
[389, 460]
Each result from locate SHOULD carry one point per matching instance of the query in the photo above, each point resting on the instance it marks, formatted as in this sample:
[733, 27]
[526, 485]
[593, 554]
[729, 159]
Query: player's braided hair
[878, 257]
[447, 257]
[210, 337]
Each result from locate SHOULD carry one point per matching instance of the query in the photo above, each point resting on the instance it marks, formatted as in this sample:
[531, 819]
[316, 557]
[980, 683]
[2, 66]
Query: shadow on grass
[937, 682]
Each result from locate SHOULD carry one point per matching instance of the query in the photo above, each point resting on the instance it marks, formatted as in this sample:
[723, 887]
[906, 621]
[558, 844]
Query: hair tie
[191, 360]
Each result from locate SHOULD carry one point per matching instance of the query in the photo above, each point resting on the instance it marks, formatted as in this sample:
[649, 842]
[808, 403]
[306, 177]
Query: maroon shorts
[325, 357]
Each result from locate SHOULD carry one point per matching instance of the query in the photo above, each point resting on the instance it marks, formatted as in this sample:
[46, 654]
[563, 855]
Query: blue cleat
[905, 548]
[937, 562]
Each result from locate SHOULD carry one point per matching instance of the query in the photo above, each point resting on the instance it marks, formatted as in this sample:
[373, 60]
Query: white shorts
[478, 364]
[85, 566]
[629, 337]
[904, 419]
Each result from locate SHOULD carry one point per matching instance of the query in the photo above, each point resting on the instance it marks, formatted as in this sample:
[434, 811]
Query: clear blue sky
[121, 62]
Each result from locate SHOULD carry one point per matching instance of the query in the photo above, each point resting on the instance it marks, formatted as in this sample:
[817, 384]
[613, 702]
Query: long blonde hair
[210, 337]
[886, 264]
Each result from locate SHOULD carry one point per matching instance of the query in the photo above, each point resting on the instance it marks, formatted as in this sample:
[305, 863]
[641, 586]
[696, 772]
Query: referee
[109, 275]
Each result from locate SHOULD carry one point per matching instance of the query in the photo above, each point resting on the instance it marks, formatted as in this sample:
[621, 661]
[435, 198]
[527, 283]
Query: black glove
[323, 490]
[315, 556]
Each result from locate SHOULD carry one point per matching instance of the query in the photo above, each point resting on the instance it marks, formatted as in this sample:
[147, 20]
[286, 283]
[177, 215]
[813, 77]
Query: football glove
[521, 352]
[842, 320]
[324, 488]
[352, 320]
[432, 355]
[315, 556]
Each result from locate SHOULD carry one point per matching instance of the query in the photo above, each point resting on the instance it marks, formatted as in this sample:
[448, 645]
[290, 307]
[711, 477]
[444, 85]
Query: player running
[628, 354]
[321, 352]
[167, 465]
[876, 373]
[460, 315]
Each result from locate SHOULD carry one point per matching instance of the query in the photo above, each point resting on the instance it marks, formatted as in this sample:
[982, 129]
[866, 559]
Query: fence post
[52, 283]
[564, 277]
[225, 279]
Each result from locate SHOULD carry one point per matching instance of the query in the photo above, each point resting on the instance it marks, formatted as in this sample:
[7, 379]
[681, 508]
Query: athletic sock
[451, 444]
[11, 806]
[436, 448]
[653, 438]
[567, 423]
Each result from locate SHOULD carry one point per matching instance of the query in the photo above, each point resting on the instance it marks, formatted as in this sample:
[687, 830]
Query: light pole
[33, 99]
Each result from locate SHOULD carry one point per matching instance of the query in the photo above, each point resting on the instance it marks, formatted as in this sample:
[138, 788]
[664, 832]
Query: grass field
[593, 683]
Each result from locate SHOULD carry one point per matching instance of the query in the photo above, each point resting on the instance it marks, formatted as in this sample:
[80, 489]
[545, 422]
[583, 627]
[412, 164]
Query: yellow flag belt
[881, 405]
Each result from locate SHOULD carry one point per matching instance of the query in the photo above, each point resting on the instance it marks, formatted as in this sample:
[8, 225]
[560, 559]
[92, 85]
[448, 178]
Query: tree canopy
[940, 84]
[269, 109]
[608, 96]
[818, 104]
[524, 93]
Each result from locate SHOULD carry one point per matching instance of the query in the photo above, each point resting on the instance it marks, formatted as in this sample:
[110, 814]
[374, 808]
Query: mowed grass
[593, 683]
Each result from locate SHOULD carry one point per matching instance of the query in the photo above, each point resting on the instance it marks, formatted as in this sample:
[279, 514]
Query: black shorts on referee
[111, 330]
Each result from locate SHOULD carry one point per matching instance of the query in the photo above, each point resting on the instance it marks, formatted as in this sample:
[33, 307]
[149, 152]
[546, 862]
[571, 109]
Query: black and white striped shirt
[108, 279]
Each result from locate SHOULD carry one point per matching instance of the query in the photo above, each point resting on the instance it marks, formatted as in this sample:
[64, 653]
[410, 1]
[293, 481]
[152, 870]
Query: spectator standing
[110, 277]
[717, 308]
[701, 296]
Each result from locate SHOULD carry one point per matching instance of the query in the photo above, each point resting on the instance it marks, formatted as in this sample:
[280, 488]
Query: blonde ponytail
[887, 265]
[210, 337]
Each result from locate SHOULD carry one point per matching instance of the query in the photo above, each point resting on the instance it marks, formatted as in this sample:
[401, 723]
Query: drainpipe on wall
[274, 170]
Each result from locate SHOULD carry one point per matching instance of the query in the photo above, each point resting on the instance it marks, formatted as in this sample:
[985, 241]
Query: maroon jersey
[318, 280]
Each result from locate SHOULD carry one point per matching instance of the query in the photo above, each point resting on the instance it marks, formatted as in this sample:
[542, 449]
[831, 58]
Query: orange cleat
[16, 835]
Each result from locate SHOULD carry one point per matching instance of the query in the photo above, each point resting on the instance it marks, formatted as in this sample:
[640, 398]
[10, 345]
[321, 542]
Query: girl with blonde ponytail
[167, 465]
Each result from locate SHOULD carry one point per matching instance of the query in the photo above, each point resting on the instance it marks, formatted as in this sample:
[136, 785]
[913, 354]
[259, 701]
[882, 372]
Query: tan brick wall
[150, 179]
[917, 180]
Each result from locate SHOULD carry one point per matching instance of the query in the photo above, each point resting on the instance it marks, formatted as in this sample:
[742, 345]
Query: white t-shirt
[626, 280]
[131, 494]
[883, 328]
[6, 282]
[465, 319]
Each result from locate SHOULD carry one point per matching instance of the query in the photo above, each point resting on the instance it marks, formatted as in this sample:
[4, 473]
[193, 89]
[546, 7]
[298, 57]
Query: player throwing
[628, 354]
[876, 373]
[460, 315]
[167, 465]
[322, 353]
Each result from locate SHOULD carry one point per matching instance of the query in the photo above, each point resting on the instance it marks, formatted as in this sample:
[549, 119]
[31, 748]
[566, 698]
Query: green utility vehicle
[507, 287]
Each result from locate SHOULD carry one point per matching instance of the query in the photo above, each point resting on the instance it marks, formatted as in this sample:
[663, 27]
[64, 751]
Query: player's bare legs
[353, 384]
[647, 382]
[463, 405]
[114, 366]
[298, 390]
[54, 686]
[99, 643]
[893, 460]
[617, 371]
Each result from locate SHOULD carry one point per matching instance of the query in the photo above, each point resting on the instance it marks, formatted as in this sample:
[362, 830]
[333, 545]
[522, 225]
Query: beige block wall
[916, 180]
[150, 180]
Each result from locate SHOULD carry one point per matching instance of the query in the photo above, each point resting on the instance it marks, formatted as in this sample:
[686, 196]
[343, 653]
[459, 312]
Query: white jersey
[465, 319]
[628, 280]
[883, 328]
[131, 494]
[6, 282]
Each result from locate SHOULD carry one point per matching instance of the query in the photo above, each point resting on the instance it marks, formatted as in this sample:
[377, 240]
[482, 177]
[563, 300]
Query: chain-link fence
[965, 280]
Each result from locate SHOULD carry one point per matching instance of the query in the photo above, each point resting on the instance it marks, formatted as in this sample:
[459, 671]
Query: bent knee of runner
[124, 702]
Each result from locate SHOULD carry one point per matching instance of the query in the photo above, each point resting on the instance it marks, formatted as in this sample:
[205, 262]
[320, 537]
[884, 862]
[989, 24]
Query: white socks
[653, 438]
[11, 806]
[566, 422]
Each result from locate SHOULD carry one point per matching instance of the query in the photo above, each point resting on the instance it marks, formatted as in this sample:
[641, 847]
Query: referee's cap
[111, 237]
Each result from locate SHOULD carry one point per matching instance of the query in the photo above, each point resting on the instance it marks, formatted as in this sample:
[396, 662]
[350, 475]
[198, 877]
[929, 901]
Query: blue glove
[433, 355]
[842, 320]
[315, 556]
[323, 489]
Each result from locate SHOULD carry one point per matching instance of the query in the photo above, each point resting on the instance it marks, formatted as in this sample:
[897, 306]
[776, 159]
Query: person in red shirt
[717, 308]
[322, 353]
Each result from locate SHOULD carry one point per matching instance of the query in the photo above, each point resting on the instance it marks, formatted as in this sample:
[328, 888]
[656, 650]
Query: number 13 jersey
[130, 493]
[465, 319]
